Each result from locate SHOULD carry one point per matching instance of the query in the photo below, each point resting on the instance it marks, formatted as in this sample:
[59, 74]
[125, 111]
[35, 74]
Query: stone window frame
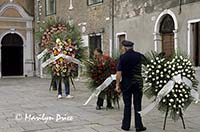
[94, 2]
[190, 39]
[47, 7]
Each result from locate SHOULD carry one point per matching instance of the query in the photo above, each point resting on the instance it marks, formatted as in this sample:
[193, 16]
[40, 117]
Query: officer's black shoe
[141, 129]
[98, 108]
[125, 129]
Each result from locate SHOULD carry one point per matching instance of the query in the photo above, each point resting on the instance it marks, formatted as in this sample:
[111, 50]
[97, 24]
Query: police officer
[129, 72]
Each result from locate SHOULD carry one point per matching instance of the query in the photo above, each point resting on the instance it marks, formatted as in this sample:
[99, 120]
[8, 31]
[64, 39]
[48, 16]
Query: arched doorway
[12, 55]
[167, 34]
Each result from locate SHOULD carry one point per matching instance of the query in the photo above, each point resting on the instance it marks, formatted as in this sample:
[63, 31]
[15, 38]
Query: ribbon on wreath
[167, 89]
[101, 87]
[42, 54]
[54, 58]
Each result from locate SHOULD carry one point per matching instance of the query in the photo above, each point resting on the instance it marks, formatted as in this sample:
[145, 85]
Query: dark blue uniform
[130, 66]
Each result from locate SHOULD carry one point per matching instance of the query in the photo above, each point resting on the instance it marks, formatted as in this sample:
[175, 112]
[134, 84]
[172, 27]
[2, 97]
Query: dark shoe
[98, 108]
[125, 129]
[141, 129]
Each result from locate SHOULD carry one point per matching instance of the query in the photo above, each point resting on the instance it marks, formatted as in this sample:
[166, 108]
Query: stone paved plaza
[28, 106]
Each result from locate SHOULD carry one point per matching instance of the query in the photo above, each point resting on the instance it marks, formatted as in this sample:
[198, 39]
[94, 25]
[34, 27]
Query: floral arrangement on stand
[172, 82]
[98, 72]
[61, 40]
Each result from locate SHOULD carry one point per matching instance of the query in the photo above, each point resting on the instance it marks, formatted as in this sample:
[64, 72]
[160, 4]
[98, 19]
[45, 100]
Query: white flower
[181, 95]
[181, 86]
[152, 66]
[170, 66]
[158, 61]
[152, 61]
[146, 79]
[186, 96]
[186, 70]
[146, 72]
[150, 84]
[173, 68]
[165, 69]
[172, 90]
[157, 82]
[178, 60]
[180, 67]
[148, 66]
[179, 91]
[176, 85]
[161, 75]
[176, 72]
[159, 66]
[169, 104]
[179, 101]
[174, 106]
[153, 79]
[157, 78]
[168, 95]
[184, 73]
[156, 90]
[179, 106]
[171, 100]
[175, 95]
[168, 76]
[181, 57]
[183, 104]
[188, 75]
[153, 73]
[150, 76]
[183, 99]
[165, 81]
[177, 112]
[164, 100]
[161, 81]
[160, 86]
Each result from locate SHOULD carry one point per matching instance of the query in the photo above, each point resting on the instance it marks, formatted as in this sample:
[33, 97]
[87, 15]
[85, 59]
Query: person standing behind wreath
[100, 57]
[129, 72]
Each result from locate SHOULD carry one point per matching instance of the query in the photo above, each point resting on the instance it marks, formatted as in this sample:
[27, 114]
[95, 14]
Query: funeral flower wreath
[171, 81]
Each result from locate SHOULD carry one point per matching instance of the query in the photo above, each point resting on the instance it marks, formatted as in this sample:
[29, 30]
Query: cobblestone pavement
[28, 106]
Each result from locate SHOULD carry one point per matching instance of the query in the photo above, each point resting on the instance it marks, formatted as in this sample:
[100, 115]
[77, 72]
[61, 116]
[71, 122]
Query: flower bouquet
[98, 72]
[172, 82]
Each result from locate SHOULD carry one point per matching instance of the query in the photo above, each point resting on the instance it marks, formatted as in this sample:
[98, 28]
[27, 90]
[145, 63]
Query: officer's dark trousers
[129, 89]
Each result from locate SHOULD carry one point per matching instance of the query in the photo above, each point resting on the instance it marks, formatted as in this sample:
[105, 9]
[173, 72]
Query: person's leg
[109, 100]
[137, 106]
[126, 122]
[67, 86]
[100, 101]
[59, 86]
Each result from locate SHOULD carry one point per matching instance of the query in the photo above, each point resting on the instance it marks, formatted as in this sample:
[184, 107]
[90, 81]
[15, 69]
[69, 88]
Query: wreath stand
[181, 115]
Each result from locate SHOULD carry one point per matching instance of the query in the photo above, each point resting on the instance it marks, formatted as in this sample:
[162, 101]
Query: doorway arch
[12, 55]
[157, 34]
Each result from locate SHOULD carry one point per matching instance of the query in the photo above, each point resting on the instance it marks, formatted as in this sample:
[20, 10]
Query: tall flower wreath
[59, 37]
[171, 82]
[98, 72]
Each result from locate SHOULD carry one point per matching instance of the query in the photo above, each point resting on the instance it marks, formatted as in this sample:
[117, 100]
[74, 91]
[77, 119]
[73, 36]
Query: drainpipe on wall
[113, 33]
[180, 9]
